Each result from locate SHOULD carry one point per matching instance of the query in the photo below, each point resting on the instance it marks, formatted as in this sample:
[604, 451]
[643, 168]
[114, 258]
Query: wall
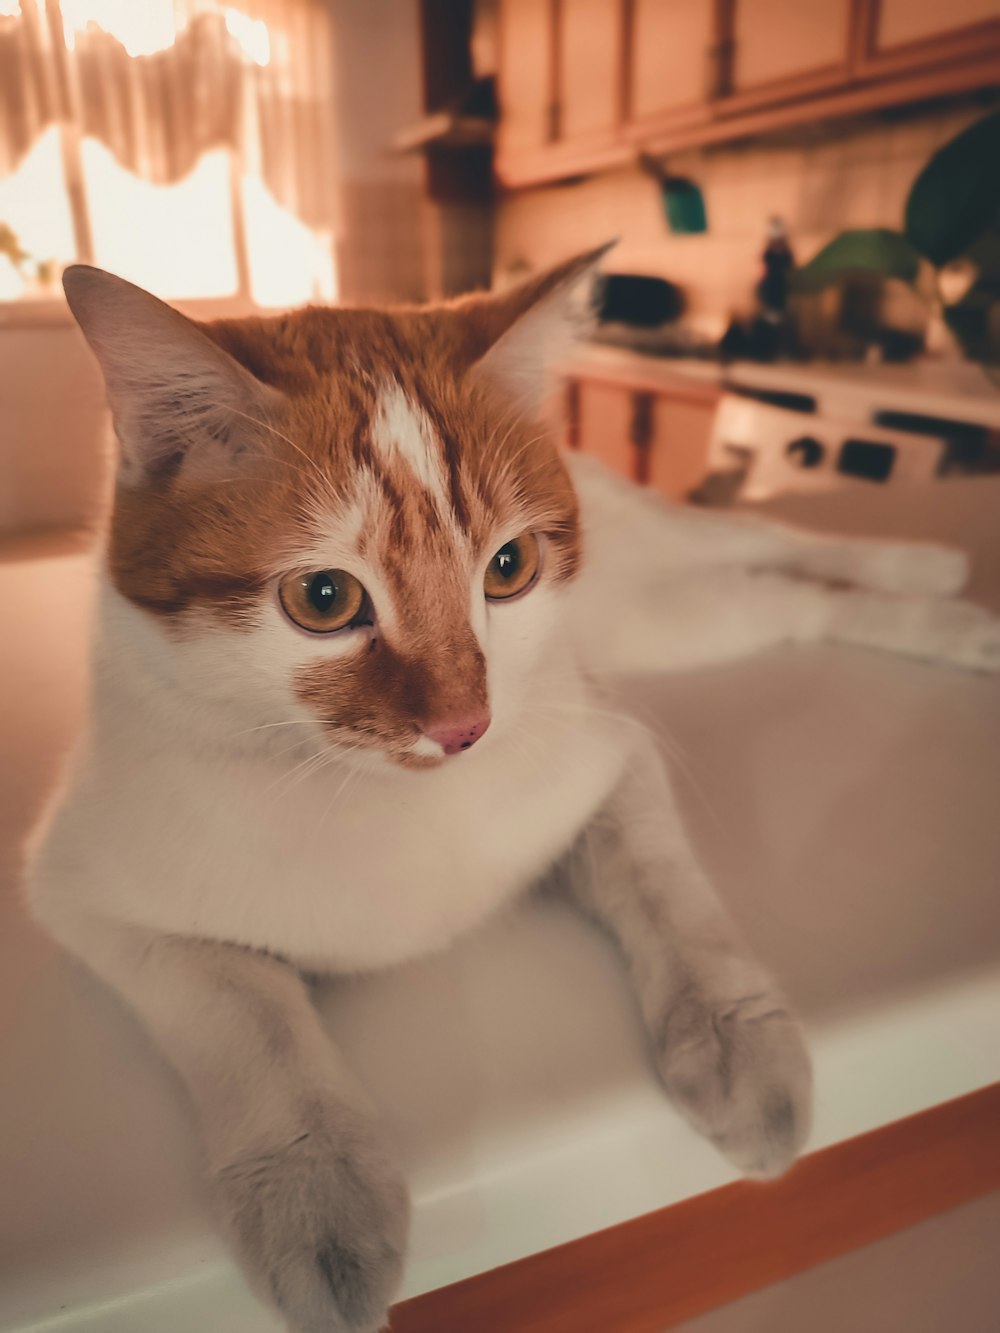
[377, 73]
[52, 427]
[828, 179]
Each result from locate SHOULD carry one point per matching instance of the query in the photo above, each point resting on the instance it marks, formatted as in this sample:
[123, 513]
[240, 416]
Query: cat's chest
[345, 871]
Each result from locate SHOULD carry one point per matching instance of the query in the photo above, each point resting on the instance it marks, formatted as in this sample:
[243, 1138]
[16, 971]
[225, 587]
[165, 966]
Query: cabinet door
[671, 58]
[902, 34]
[678, 453]
[527, 86]
[784, 43]
[589, 67]
[902, 21]
[605, 424]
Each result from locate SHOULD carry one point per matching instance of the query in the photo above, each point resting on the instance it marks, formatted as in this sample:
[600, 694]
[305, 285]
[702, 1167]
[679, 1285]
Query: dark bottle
[775, 283]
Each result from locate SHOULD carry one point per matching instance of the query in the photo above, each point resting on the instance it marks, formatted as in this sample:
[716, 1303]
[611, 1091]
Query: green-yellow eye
[513, 568]
[322, 602]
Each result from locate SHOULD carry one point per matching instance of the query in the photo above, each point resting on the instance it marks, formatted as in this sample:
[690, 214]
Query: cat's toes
[741, 1074]
[917, 570]
[320, 1227]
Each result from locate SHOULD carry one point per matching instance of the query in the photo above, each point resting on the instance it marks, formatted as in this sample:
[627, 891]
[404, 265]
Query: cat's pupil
[322, 592]
[508, 560]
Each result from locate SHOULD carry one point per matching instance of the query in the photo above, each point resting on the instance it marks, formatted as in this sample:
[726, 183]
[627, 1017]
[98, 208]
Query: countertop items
[958, 391]
[845, 804]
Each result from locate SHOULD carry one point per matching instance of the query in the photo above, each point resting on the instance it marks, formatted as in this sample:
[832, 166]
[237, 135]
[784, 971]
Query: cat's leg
[728, 1050]
[722, 615]
[637, 535]
[303, 1187]
[905, 568]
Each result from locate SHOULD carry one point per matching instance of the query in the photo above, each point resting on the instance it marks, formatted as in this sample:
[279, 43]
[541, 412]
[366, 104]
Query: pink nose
[460, 735]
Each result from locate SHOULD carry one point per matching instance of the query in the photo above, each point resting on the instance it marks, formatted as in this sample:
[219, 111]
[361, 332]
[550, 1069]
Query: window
[186, 145]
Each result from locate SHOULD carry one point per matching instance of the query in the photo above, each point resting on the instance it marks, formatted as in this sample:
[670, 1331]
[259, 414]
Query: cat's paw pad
[740, 1073]
[320, 1227]
[917, 570]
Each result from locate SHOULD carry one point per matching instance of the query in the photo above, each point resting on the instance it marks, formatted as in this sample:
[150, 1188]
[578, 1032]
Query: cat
[340, 712]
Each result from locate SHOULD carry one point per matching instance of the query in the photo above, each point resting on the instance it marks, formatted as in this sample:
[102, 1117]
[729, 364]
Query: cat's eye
[324, 601]
[513, 568]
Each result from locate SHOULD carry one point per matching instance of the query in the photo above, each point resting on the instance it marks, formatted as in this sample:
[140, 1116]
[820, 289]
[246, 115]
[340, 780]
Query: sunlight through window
[289, 264]
[146, 26]
[178, 239]
[44, 233]
[142, 28]
[183, 144]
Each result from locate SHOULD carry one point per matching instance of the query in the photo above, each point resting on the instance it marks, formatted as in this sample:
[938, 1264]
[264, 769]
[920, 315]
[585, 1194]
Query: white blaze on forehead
[401, 430]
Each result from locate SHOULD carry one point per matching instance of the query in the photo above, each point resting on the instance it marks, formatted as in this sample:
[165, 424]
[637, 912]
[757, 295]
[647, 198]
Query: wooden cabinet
[671, 54]
[584, 83]
[777, 47]
[562, 72]
[900, 35]
[680, 431]
[651, 428]
[526, 54]
[900, 22]
[604, 424]
[589, 66]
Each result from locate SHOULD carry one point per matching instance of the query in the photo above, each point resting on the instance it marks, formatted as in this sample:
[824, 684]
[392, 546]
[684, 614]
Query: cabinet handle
[641, 435]
[722, 52]
[573, 413]
[554, 121]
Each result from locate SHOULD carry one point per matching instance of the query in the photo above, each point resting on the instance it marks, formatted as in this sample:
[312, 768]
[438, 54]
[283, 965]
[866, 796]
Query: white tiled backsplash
[838, 176]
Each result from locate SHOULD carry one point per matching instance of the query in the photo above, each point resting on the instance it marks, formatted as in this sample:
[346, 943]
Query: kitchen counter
[845, 805]
[958, 391]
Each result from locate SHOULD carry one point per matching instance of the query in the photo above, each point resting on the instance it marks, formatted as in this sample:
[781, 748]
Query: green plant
[20, 258]
[951, 220]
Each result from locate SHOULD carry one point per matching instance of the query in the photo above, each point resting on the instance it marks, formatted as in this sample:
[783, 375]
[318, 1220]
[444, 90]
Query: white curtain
[160, 82]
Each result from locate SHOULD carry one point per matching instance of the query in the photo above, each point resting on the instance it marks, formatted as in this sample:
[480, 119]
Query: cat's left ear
[525, 332]
[177, 397]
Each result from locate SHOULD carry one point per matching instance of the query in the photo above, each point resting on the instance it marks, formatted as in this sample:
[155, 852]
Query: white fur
[400, 430]
[211, 841]
[208, 810]
[245, 794]
[694, 587]
[207, 801]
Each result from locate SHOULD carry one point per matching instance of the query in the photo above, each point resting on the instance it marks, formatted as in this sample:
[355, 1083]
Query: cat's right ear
[176, 397]
[519, 336]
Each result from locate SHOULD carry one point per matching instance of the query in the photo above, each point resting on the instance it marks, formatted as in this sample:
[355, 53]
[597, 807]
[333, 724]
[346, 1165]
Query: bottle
[775, 282]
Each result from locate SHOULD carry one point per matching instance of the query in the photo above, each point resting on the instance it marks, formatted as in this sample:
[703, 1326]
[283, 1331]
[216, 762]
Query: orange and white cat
[340, 712]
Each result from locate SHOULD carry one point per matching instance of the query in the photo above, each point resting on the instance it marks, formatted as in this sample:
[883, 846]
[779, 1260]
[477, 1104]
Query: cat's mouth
[444, 746]
[373, 754]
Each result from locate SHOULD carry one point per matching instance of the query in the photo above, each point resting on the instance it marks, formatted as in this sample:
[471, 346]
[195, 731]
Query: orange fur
[184, 541]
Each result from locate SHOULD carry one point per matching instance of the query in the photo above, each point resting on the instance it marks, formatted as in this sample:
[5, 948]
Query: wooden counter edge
[667, 1266]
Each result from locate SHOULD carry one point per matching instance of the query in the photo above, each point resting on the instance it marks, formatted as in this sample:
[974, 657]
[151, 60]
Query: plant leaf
[975, 321]
[876, 250]
[957, 195]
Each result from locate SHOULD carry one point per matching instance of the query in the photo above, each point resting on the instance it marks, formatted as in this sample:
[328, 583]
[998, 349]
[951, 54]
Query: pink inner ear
[534, 327]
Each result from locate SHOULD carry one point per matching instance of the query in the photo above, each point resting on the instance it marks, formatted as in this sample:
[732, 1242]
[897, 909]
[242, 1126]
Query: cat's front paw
[319, 1224]
[740, 1073]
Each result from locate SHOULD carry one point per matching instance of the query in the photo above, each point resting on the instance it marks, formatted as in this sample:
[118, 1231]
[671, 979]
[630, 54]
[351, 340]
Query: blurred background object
[952, 223]
[259, 154]
[186, 144]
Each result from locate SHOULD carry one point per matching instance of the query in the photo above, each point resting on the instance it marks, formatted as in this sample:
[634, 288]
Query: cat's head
[355, 518]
